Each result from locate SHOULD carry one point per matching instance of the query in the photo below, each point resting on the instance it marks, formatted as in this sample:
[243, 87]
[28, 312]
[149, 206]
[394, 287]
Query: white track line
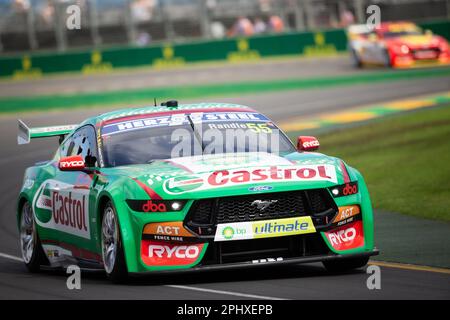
[7, 256]
[230, 293]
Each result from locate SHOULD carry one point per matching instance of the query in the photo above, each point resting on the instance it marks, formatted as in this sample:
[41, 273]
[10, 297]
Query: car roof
[389, 25]
[131, 113]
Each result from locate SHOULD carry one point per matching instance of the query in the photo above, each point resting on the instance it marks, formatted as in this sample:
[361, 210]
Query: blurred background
[33, 25]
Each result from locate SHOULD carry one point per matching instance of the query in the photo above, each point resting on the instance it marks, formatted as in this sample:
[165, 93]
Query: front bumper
[199, 251]
[410, 62]
[249, 264]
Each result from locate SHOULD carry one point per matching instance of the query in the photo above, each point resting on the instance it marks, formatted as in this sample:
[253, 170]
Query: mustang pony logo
[263, 204]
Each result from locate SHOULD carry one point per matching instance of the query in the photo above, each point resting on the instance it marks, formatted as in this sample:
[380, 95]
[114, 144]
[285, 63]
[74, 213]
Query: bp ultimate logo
[264, 229]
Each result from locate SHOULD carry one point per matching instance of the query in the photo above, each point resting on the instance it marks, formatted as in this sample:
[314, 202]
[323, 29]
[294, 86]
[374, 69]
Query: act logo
[167, 230]
[345, 213]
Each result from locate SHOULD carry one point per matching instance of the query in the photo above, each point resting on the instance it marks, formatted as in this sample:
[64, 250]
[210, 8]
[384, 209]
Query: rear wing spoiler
[26, 134]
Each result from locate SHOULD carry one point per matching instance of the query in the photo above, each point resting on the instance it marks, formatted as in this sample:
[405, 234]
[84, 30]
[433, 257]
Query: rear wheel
[112, 247]
[32, 253]
[345, 264]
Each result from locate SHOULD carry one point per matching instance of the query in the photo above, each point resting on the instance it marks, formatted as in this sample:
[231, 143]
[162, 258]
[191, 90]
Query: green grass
[405, 160]
[128, 97]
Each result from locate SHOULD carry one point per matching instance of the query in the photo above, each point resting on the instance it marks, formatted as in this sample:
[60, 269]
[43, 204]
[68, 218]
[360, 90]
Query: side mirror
[73, 163]
[307, 143]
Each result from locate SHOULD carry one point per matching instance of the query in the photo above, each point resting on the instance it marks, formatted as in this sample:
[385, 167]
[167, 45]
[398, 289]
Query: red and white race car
[397, 45]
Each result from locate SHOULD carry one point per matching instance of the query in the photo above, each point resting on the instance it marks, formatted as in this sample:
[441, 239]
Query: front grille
[210, 212]
[255, 249]
[425, 54]
[239, 209]
[202, 212]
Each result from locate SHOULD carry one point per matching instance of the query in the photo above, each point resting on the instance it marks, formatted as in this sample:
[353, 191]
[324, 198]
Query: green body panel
[117, 184]
[363, 199]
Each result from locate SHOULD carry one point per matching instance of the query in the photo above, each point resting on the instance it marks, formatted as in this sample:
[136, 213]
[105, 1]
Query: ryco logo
[343, 236]
[181, 252]
[71, 164]
[347, 237]
[163, 253]
[311, 144]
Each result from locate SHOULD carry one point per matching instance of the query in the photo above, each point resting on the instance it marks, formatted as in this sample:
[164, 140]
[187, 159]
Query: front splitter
[250, 264]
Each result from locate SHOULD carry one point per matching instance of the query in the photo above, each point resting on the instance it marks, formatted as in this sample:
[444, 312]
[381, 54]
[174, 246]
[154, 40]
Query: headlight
[156, 205]
[402, 49]
[344, 189]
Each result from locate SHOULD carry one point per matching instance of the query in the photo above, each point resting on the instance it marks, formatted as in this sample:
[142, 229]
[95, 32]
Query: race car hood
[241, 173]
[417, 41]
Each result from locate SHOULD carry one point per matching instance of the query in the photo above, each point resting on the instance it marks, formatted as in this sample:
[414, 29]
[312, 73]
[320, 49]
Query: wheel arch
[23, 198]
[129, 244]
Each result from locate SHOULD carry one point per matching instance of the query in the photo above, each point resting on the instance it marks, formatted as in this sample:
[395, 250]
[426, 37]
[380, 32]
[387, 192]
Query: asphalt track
[123, 79]
[287, 282]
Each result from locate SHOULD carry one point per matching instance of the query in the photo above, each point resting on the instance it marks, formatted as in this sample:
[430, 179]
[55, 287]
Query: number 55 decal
[259, 127]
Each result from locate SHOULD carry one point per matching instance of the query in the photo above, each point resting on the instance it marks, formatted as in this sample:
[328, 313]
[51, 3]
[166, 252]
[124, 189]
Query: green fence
[319, 43]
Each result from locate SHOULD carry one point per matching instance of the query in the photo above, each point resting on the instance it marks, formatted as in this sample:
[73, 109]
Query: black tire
[387, 59]
[38, 257]
[119, 271]
[355, 59]
[342, 265]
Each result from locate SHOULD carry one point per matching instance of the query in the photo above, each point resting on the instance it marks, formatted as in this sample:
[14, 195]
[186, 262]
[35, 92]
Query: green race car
[189, 187]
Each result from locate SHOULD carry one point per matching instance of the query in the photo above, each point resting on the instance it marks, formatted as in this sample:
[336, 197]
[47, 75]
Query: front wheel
[387, 59]
[355, 59]
[347, 264]
[30, 245]
[112, 247]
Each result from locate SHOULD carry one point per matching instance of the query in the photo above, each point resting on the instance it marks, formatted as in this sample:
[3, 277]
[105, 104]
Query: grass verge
[405, 160]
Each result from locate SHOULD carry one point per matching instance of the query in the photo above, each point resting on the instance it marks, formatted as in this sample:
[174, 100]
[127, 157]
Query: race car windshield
[402, 33]
[147, 140]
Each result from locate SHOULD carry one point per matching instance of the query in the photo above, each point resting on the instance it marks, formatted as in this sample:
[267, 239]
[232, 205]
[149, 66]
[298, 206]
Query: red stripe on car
[345, 172]
[152, 194]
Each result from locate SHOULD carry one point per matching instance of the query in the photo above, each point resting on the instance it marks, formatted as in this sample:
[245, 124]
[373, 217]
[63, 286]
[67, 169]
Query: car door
[372, 50]
[72, 203]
